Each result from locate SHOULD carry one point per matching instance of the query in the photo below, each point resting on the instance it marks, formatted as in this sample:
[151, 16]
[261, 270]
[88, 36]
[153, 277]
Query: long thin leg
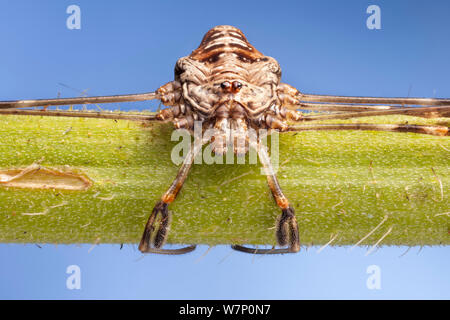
[82, 114]
[167, 114]
[169, 94]
[78, 100]
[340, 111]
[373, 100]
[287, 227]
[429, 112]
[343, 107]
[431, 130]
[161, 208]
[292, 99]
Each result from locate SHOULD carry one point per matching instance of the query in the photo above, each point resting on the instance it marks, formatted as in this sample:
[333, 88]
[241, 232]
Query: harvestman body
[231, 88]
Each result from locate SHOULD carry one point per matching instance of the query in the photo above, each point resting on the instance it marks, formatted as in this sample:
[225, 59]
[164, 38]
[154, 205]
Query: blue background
[130, 47]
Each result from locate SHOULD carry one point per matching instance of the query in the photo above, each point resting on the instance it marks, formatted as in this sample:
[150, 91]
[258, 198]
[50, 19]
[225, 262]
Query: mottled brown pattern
[225, 39]
[228, 85]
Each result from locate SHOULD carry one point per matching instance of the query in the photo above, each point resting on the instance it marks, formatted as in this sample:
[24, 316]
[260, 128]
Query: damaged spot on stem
[38, 177]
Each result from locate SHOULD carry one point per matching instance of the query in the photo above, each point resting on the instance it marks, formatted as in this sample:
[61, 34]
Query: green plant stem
[342, 184]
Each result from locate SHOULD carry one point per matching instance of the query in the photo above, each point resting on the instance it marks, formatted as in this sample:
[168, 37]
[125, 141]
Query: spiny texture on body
[225, 39]
[229, 85]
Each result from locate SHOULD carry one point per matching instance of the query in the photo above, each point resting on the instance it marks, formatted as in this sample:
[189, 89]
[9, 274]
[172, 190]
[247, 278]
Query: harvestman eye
[226, 57]
[226, 86]
[237, 85]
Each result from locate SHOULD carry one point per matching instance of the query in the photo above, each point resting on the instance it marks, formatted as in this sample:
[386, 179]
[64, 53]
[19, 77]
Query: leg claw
[161, 234]
[262, 251]
[287, 233]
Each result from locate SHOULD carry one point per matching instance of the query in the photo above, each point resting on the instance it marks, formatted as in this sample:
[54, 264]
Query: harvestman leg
[423, 129]
[161, 208]
[78, 100]
[429, 112]
[439, 108]
[287, 227]
[372, 100]
[291, 98]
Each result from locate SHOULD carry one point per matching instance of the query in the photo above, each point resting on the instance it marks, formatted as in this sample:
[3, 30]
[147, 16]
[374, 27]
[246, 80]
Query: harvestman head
[231, 87]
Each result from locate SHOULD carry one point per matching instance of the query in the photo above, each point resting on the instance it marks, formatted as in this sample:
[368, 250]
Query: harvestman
[231, 87]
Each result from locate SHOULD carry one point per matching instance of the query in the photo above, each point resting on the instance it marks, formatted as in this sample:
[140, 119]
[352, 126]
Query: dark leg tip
[287, 230]
[288, 212]
[262, 251]
[161, 207]
[287, 234]
[145, 245]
